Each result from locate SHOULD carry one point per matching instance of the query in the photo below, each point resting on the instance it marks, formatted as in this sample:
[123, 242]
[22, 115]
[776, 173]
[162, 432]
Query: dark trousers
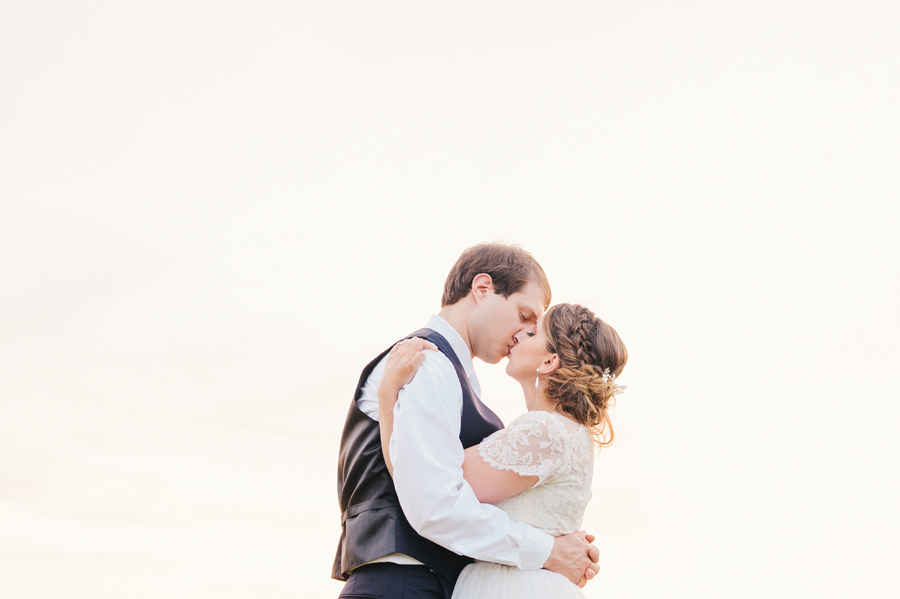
[393, 581]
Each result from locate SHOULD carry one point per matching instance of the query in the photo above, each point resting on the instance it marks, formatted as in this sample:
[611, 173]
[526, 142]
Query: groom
[408, 536]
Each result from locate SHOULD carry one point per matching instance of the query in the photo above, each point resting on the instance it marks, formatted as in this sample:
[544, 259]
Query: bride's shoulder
[552, 422]
[534, 416]
[544, 416]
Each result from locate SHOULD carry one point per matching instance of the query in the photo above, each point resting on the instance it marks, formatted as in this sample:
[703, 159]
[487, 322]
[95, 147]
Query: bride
[539, 468]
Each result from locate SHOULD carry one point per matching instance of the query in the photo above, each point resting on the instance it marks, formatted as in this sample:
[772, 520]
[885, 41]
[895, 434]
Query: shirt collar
[462, 351]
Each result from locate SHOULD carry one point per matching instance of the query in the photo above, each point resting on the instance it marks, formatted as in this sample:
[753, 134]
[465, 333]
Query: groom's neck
[457, 316]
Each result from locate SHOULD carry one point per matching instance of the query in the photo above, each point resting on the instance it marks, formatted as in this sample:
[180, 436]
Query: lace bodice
[559, 452]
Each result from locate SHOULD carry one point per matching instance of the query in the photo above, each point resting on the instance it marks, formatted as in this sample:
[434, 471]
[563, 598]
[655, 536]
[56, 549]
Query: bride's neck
[535, 399]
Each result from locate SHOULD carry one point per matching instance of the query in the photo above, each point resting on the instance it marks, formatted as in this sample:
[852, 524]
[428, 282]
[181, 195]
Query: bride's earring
[537, 378]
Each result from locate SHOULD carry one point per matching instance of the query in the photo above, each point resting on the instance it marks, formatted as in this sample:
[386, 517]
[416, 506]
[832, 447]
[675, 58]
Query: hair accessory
[607, 378]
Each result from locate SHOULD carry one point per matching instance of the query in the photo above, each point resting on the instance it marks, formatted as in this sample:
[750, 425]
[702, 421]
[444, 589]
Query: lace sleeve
[533, 444]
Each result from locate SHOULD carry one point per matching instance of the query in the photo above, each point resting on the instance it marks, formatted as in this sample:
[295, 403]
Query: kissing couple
[438, 499]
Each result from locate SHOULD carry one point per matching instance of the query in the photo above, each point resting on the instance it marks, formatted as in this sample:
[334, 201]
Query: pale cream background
[213, 214]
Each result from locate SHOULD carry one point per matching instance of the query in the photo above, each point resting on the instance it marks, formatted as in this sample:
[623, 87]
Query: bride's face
[528, 354]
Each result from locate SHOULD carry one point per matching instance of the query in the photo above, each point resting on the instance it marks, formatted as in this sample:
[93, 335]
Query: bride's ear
[550, 364]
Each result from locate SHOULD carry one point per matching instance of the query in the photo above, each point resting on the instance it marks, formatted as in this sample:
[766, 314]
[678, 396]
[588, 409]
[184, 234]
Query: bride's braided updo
[591, 355]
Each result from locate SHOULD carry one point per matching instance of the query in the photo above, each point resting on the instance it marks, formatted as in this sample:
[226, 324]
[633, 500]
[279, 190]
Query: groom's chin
[493, 359]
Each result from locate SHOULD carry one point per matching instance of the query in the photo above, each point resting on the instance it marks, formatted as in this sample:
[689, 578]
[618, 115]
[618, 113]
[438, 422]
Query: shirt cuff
[535, 549]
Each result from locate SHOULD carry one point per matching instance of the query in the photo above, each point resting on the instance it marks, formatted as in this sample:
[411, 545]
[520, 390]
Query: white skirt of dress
[485, 580]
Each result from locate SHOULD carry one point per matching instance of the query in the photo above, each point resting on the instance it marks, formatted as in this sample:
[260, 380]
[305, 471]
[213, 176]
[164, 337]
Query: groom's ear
[482, 284]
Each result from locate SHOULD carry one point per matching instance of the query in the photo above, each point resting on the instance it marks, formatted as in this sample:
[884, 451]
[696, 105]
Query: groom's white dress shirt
[427, 457]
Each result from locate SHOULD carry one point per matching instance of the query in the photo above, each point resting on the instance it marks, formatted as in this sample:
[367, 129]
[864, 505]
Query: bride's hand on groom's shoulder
[403, 362]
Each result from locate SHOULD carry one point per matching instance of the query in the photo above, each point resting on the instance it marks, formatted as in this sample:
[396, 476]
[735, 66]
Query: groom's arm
[428, 476]
[441, 506]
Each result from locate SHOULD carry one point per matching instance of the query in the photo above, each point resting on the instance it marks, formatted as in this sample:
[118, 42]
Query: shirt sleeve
[428, 457]
[534, 444]
[368, 400]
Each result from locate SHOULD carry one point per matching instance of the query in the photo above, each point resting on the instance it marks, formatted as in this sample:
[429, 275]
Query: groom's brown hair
[510, 268]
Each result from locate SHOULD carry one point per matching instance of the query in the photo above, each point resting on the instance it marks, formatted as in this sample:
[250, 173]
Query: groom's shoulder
[436, 362]
[436, 377]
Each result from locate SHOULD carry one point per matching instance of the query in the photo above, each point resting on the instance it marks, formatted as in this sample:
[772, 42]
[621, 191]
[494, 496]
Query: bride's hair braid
[591, 355]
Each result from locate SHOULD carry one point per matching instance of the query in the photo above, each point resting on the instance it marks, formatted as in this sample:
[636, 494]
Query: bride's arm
[402, 364]
[492, 485]
[530, 450]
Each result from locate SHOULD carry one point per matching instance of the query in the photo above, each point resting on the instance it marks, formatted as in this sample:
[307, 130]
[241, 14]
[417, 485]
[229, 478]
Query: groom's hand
[574, 557]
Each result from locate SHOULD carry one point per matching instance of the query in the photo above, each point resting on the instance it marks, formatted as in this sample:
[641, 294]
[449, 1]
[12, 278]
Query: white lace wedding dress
[559, 452]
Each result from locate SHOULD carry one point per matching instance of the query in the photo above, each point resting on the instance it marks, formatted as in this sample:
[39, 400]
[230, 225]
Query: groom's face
[499, 320]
